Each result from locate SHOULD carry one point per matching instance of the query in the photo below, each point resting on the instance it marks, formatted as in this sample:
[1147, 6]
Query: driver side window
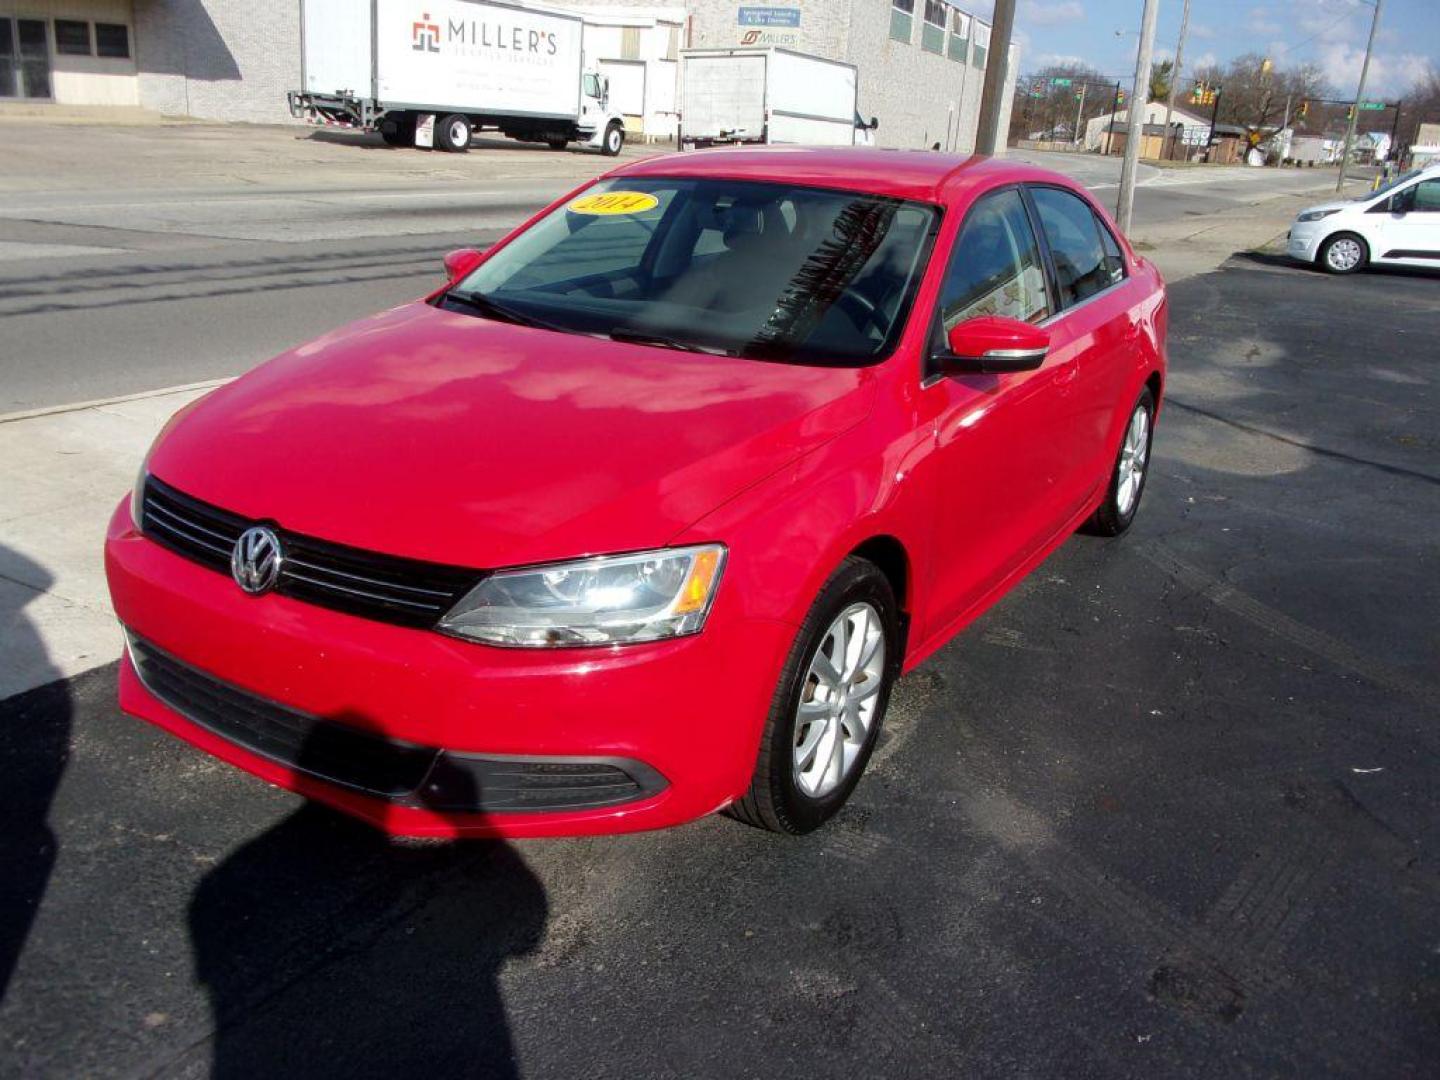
[1424, 197]
[995, 268]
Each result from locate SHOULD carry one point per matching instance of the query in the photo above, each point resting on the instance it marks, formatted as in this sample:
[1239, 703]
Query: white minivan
[1395, 225]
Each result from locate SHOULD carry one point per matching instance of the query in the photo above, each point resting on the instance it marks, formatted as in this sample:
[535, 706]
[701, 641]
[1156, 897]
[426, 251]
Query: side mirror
[461, 262]
[993, 345]
[874, 123]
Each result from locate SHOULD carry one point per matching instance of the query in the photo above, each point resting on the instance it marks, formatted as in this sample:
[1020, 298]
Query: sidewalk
[64, 472]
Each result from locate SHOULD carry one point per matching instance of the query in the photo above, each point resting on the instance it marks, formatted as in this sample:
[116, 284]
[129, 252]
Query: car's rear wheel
[1344, 253]
[1132, 466]
[828, 708]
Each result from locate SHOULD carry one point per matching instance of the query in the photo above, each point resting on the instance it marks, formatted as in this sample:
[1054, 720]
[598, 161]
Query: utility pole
[1166, 144]
[1079, 112]
[1138, 101]
[994, 91]
[1114, 111]
[1359, 98]
[1284, 125]
[1214, 115]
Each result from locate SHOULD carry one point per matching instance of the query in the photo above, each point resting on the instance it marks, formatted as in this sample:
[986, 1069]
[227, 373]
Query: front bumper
[1302, 243]
[682, 718]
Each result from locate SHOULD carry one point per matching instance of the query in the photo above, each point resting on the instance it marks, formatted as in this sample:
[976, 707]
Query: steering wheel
[863, 311]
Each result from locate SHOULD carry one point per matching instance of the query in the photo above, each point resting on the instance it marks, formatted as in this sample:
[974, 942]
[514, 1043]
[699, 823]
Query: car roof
[924, 175]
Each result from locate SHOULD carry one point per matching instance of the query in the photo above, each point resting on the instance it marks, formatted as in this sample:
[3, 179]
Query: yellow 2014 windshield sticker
[614, 202]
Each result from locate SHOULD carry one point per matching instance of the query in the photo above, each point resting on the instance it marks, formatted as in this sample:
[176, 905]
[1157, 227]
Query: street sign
[1371, 105]
[1060, 82]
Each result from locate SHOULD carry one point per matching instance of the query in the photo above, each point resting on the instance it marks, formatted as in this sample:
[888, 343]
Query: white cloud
[1260, 21]
[1051, 12]
[1390, 73]
[1201, 32]
[1044, 60]
[1204, 60]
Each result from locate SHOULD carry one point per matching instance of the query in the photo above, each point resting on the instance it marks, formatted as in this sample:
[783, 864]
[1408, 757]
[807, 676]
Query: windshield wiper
[485, 306]
[644, 337]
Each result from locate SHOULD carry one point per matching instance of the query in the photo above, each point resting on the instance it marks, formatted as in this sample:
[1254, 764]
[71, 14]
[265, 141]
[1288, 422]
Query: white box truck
[769, 95]
[431, 73]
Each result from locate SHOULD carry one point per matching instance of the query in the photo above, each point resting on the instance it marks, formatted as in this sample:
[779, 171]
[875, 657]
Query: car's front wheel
[829, 706]
[1343, 253]
[1132, 466]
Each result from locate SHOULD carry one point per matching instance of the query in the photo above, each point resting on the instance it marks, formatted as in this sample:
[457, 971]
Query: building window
[112, 39]
[982, 46]
[72, 38]
[672, 50]
[959, 36]
[902, 19]
[630, 43]
[932, 34]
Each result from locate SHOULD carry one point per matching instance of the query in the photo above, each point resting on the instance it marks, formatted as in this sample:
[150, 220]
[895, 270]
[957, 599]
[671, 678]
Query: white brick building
[921, 62]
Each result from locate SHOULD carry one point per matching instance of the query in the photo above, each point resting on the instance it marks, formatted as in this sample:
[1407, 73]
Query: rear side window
[1082, 265]
[1427, 196]
[996, 267]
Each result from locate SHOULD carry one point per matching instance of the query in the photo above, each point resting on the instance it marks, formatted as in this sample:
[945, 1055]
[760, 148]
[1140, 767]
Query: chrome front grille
[381, 587]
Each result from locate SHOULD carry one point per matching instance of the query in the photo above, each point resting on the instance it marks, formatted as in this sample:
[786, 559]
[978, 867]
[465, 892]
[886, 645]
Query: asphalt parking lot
[1169, 809]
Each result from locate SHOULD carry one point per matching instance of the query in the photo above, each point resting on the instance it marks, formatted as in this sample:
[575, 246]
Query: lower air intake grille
[401, 772]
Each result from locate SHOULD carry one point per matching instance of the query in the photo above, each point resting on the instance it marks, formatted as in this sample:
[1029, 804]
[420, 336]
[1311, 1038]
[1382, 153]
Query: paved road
[1169, 809]
[143, 283]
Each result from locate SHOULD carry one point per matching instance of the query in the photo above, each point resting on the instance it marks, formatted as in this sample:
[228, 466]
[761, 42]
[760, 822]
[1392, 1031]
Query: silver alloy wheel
[460, 133]
[838, 700]
[614, 138]
[1130, 474]
[1343, 254]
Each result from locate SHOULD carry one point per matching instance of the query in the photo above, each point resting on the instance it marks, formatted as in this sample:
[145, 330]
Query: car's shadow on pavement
[34, 746]
[328, 949]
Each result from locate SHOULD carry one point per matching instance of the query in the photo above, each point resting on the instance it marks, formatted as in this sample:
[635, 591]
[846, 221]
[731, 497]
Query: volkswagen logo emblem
[255, 562]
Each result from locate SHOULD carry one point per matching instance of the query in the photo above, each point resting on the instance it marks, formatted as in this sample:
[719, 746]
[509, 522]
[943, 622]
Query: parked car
[1395, 225]
[640, 516]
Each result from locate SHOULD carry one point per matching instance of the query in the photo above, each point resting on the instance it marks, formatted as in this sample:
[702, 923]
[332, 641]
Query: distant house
[1426, 147]
[1193, 129]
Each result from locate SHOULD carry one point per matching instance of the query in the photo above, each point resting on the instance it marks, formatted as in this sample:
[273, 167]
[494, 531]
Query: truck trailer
[769, 95]
[431, 74]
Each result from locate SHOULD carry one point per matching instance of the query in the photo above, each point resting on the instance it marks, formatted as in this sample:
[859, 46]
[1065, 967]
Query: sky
[1329, 33]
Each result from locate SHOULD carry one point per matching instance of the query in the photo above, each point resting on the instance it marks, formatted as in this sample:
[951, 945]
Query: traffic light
[1202, 94]
[1349, 112]
[1304, 109]
[1120, 98]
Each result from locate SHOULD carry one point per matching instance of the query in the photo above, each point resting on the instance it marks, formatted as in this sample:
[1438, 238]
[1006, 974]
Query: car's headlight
[618, 599]
[137, 498]
[1316, 215]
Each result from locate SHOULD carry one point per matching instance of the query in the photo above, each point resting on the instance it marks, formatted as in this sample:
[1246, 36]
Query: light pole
[1138, 101]
[1359, 98]
[994, 89]
[1175, 76]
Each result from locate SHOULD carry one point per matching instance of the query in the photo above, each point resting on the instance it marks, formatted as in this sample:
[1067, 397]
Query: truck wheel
[557, 144]
[398, 131]
[453, 133]
[614, 140]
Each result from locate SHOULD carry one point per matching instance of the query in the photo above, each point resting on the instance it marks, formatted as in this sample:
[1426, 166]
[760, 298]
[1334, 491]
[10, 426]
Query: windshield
[1403, 178]
[773, 271]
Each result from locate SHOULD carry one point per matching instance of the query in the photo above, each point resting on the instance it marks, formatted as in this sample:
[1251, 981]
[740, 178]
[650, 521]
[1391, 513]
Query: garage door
[627, 90]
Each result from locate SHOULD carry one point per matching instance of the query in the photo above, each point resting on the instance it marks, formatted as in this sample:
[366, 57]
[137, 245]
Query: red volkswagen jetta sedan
[641, 515]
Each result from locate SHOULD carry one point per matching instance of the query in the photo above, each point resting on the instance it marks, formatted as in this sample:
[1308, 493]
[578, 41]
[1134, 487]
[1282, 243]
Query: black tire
[557, 144]
[774, 800]
[1110, 519]
[613, 141]
[452, 133]
[1331, 246]
[395, 137]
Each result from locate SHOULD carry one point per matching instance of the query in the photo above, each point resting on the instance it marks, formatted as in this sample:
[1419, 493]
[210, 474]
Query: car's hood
[1333, 204]
[443, 436]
